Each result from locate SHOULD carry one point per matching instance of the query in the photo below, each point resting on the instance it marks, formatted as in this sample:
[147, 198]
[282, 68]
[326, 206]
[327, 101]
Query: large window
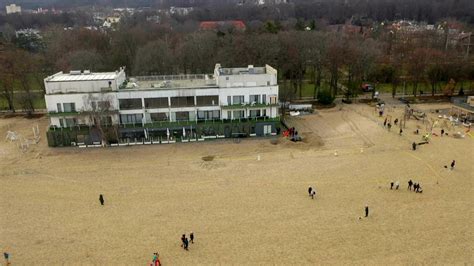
[182, 116]
[182, 101]
[131, 119]
[239, 99]
[69, 107]
[60, 109]
[208, 115]
[239, 114]
[130, 104]
[156, 102]
[254, 113]
[157, 117]
[207, 100]
[254, 99]
[70, 122]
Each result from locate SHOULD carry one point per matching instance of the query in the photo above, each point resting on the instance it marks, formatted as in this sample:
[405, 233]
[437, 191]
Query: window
[100, 105]
[254, 113]
[59, 108]
[156, 102]
[229, 100]
[156, 117]
[229, 114]
[238, 99]
[208, 115]
[264, 112]
[61, 122]
[267, 130]
[182, 101]
[70, 122]
[182, 116]
[131, 119]
[207, 100]
[268, 83]
[69, 107]
[254, 99]
[264, 99]
[239, 114]
[103, 105]
[273, 99]
[130, 104]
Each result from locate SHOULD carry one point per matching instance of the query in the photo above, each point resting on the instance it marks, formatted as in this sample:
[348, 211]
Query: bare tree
[98, 110]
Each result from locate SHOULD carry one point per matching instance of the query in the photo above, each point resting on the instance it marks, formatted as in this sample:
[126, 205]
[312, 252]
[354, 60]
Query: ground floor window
[182, 116]
[70, 122]
[254, 113]
[131, 119]
[158, 117]
[208, 115]
[239, 114]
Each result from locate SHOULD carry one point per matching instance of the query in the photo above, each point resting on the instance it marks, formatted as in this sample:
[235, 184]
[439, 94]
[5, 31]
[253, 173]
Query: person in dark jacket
[101, 199]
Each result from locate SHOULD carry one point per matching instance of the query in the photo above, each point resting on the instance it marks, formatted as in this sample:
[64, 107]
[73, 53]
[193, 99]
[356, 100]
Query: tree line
[329, 62]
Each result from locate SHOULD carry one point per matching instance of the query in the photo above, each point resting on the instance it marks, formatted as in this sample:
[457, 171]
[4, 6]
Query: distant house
[12, 9]
[111, 21]
[218, 25]
[181, 11]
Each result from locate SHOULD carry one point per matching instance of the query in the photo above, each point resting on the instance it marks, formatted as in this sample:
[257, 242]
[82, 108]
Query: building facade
[159, 102]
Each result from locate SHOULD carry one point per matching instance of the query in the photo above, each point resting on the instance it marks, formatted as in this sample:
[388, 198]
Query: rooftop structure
[216, 25]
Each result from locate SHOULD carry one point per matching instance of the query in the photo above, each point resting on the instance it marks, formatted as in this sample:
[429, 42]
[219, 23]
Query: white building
[12, 8]
[228, 94]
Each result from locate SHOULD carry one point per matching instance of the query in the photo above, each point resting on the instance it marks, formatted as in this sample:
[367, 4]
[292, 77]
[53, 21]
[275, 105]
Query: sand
[243, 210]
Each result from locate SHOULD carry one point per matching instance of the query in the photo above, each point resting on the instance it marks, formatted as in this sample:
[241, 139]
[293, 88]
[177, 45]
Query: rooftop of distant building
[86, 75]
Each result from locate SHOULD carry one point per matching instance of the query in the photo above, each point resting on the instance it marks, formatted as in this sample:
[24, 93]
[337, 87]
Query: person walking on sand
[389, 126]
[385, 122]
[396, 121]
[101, 199]
[442, 132]
[401, 131]
[183, 237]
[191, 237]
[453, 163]
[186, 243]
[366, 210]
[313, 193]
[391, 185]
[410, 183]
[397, 185]
[7, 257]
[310, 189]
[156, 259]
[413, 146]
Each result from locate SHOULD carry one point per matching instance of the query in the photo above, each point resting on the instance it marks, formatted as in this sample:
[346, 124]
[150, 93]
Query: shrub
[325, 97]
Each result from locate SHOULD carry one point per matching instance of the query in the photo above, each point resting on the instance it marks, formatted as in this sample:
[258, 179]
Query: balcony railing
[247, 105]
[175, 124]
[71, 113]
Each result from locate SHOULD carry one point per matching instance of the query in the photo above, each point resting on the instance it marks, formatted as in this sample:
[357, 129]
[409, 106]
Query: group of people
[185, 241]
[416, 186]
[311, 192]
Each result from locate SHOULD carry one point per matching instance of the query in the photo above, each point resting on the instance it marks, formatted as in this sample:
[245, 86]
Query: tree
[155, 58]
[98, 109]
[7, 77]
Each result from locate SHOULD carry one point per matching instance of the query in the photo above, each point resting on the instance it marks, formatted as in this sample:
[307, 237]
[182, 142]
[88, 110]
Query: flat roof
[171, 82]
[242, 71]
[58, 77]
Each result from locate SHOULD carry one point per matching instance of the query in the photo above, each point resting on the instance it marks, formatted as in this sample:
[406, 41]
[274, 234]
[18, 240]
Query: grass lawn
[38, 103]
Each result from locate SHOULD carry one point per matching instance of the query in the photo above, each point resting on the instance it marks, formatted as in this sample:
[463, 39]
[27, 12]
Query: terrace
[170, 82]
